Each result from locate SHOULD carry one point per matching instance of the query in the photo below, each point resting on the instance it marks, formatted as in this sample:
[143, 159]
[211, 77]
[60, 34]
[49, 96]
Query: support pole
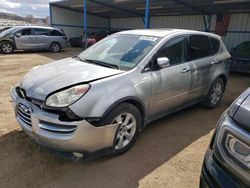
[207, 23]
[50, 15]
[85, 23]
[146, 24]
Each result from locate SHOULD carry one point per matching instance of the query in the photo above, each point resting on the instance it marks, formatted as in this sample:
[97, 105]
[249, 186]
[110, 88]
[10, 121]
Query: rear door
[200, 58]
[41, 38]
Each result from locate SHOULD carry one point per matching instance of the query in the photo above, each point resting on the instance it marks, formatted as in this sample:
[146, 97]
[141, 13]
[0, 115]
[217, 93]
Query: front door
[170, 85]
[42, 38]
[25, 39]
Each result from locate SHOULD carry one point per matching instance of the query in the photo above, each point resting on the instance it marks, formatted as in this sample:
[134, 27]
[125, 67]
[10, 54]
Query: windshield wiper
[104, 64]
[77, 58]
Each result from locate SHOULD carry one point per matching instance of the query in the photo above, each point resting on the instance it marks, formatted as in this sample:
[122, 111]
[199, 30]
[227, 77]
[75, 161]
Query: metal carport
[210, 15]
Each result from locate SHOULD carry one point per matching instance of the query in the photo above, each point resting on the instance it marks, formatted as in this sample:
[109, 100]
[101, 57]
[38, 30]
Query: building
[228, 18]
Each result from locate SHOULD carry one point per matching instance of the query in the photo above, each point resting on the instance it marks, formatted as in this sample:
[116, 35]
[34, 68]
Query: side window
[199, 47]
[40, 32]
[24, 32]
[56, 33]
[215, 44]
[174, 50]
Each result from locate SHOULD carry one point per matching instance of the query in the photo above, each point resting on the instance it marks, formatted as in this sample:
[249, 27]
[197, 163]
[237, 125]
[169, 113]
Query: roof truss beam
[191, 6]
[115, 7]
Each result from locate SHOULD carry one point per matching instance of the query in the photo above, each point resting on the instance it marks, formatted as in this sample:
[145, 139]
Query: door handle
[186, 69]
[214, 62]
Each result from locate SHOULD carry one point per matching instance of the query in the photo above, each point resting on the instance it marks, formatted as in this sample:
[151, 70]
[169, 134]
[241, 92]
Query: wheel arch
[224, 79]
[9, 41]
[138, 103]
[57, 43]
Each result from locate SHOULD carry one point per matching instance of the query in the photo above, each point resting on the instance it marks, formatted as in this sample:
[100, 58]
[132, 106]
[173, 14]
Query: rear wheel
[55, 47]
[215, 94]
[7, 47]
[128, 118]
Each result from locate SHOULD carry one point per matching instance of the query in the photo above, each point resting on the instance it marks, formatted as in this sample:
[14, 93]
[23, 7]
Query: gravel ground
[168, 153]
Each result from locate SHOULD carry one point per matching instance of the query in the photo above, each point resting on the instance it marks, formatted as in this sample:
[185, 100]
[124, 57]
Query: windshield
[4, 29]
[244, 46]
[242, 50]
[8, 31]
[123, 51]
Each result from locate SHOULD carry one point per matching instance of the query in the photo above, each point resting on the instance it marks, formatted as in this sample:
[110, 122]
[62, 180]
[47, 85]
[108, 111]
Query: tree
[30, 18]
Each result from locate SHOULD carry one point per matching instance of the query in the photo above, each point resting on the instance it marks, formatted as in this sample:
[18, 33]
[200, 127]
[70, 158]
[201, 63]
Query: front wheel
[7, 47]
[215, 94]
[128, 118]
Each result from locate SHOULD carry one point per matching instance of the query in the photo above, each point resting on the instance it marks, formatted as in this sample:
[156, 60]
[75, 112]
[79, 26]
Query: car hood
[1, 35]
[40, 82]
[242, 115]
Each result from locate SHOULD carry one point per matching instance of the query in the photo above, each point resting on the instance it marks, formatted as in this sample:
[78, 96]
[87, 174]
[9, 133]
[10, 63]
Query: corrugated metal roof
[124, 8]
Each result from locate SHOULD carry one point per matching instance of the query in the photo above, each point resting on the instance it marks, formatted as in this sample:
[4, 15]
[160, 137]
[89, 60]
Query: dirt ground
[168, 153]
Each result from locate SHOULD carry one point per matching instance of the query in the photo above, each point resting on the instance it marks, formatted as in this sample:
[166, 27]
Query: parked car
[32, 38]
[227, 161]
[4, 29]
[240, 61]
[92, 39]
[98, 102]
[78, 41]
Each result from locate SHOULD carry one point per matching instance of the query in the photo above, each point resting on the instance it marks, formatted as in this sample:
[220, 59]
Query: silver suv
[32, 38]
[99, 101]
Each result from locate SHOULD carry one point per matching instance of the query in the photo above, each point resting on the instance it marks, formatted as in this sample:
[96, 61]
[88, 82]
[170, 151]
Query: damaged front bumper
[71, 137]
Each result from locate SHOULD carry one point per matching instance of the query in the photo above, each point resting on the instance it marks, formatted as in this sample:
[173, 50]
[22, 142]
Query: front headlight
[67, 97]
[238, 149]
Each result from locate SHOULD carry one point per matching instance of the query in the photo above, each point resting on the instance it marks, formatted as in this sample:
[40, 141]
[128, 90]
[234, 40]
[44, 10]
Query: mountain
[10, 16]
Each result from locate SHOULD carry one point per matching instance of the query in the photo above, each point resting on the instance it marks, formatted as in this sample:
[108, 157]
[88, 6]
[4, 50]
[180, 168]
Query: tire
[215, 94]
[55, 47]
[7, 47]
[126, 133]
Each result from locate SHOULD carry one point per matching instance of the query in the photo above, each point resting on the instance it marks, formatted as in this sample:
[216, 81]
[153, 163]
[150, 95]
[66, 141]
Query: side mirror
[18, 34]
[163, 62]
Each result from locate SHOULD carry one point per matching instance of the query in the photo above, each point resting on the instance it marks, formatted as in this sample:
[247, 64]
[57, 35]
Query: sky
[38, 8]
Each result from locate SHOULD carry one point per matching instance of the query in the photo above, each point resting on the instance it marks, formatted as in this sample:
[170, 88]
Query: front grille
[24, 114]
[57, 128]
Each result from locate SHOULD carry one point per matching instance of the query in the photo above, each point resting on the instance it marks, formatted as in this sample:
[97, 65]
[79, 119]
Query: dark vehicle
[76, 41]
[96, 37]
[92, 38]
[240, 61]
[227, 161]
[32, 38]
[4, 29]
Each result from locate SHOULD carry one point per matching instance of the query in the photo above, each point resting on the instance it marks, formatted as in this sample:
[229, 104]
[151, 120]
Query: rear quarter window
[215, 44]
[56, 33]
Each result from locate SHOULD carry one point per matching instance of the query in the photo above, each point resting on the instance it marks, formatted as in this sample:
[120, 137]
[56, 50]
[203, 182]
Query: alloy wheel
[126, 130]
[55, 47]
[216, 93]
[7, 48]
